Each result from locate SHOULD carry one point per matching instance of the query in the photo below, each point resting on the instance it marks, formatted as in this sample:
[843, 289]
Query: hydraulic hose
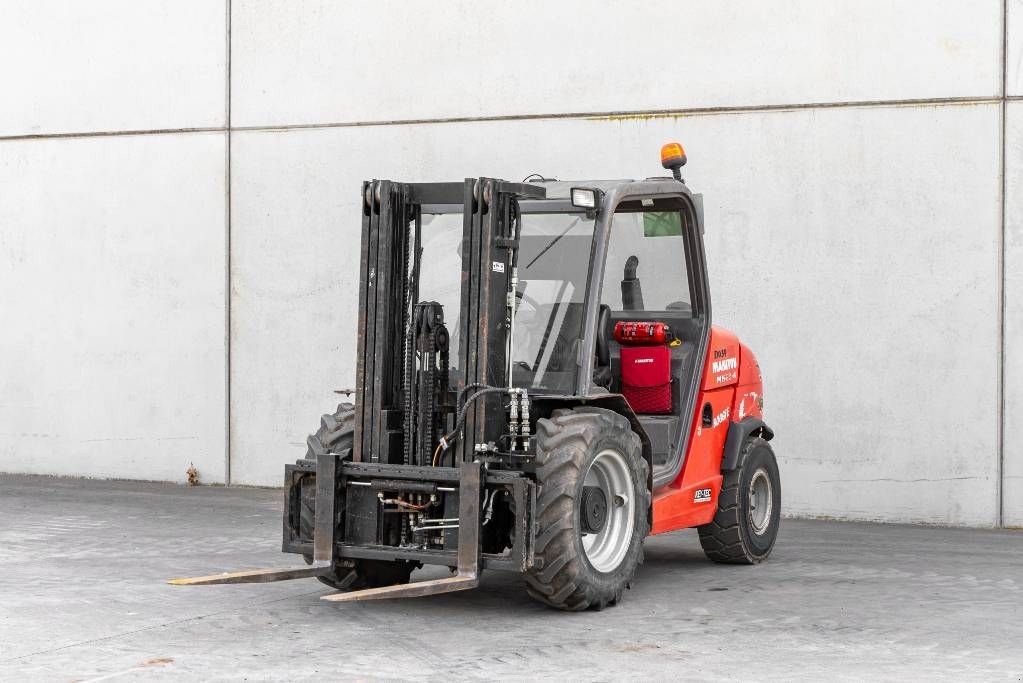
[449, 439]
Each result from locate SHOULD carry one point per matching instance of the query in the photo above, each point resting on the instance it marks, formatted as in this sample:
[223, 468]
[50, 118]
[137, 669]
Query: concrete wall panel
[112, 315]
[316, 61]
[1014, 316]
[842, 249]
[109, 65]
[1014, 43]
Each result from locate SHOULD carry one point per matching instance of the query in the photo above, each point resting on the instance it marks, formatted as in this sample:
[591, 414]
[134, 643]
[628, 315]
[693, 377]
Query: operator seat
[602, 375]
[632, 289]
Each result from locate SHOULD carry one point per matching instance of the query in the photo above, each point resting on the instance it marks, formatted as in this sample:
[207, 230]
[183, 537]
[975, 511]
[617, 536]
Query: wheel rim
[761, 501]
[605, 549]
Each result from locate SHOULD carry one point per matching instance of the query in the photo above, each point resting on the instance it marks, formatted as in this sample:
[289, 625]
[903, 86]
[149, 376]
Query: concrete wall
[1013, 454]
[112, 65]
[850, 154]
[112, 321]
[112, 246]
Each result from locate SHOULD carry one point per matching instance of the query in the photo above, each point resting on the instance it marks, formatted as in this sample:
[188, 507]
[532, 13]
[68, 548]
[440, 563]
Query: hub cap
[593, 510]
[761, 501]
[606, 548]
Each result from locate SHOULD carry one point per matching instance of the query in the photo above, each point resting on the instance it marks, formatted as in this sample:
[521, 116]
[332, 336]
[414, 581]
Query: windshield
[553, 263]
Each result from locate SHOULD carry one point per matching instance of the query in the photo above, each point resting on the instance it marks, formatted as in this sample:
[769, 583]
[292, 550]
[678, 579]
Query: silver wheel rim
[606, 548]
[761, 501]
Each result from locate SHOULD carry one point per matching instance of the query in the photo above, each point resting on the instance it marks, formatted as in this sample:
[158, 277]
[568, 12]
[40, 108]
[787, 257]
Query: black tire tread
[337, 433]
[721, 539]
[563, 440]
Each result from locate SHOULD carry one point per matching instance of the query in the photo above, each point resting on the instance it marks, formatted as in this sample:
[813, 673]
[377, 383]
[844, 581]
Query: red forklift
[539, 387]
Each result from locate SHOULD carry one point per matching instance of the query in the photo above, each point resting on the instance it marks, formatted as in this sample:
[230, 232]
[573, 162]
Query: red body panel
[749, 394]
[721, 368]
[732, 385]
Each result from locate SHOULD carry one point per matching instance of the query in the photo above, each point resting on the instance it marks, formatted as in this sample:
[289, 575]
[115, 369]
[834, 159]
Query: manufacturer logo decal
[701, 496]
[644, 360]
[497, 266]
[721, 417]
[725, 365]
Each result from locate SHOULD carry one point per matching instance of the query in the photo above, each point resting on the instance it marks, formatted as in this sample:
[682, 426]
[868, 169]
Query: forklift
[538, 388]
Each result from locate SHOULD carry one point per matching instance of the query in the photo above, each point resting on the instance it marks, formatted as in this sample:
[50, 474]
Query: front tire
[337, 434]
[369, 574]
[592, 509]
[746, 524]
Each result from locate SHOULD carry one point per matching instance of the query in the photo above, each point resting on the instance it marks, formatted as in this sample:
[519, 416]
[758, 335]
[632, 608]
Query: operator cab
[594, 255]
[652, 318]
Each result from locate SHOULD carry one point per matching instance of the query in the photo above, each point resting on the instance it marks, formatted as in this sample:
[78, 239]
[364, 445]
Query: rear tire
[369, 574]
[337, 434]
[588, 553]
[746, 524]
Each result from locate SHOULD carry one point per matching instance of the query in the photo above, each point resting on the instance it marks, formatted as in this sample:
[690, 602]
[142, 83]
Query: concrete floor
[82, 597]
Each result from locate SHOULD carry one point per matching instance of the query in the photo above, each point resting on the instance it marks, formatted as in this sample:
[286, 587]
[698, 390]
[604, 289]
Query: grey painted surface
[112, 313]
[1014, 44]
[1014, 316]
[836, 601]
[867, 293]
[856, 249]
[111, 65]
[293, 60]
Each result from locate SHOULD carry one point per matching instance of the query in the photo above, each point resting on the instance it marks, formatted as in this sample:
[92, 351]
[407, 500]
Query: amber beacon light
[673, 157]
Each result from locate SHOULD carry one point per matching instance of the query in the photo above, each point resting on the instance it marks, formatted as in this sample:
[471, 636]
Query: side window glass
[646, 266]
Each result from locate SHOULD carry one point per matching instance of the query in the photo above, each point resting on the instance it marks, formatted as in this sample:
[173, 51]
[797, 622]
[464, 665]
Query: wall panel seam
[112, 133]
[595, 115]
[1002, 234]
[641, 114]
[227, 254]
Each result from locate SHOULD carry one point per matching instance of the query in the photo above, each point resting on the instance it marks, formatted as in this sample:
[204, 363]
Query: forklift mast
[403, 399]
